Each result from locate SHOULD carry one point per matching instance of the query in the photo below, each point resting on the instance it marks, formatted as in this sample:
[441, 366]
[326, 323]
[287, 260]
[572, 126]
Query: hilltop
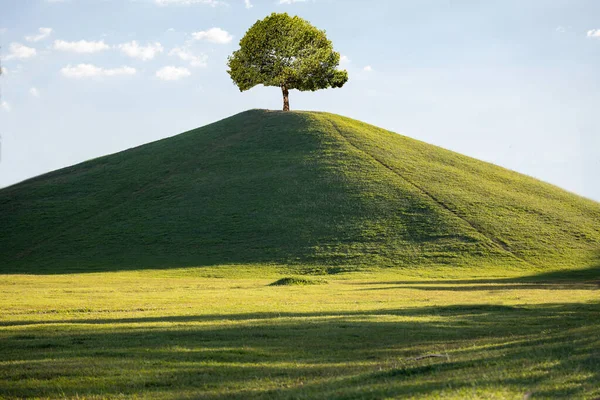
[310, 189]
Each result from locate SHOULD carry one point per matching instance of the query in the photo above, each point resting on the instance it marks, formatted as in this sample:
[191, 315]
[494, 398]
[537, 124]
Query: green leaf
[287, 52]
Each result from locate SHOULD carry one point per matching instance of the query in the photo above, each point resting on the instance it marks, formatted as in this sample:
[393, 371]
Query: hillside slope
[291, 188]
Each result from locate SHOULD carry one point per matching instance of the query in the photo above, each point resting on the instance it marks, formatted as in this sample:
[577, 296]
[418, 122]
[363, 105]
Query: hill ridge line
[499, 244]
[305, 191]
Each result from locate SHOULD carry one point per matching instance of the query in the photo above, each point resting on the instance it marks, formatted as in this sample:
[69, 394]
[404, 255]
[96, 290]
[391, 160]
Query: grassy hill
[315, 190]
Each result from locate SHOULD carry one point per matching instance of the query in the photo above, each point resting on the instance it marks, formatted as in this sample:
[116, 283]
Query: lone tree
[287, 52]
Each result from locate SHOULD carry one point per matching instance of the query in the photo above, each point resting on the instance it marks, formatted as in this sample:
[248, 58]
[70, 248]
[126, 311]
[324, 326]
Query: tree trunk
[286, 98]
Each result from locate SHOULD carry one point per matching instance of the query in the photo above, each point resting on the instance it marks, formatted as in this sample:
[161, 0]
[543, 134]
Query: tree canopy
[287, 52]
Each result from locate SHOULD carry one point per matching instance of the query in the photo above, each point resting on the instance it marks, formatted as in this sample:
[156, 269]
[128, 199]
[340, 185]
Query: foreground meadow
[225, 333]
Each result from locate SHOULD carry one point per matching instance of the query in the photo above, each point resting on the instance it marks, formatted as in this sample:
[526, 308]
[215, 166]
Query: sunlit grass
[309, 189]
[384, 250]
[223, 332]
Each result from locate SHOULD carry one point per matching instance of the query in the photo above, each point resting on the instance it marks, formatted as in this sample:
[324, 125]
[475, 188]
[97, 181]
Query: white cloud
[248, 4]
[144, 53]
[186, 55]
[82, 46]
[5, 106]
[344, 59]
[91, 71]
[368, 68]
[213, 35]
[43, 34]
[212, 3]
[34, 92]
[290, 1]
[19, 51]
[172, 73]
[593, 33]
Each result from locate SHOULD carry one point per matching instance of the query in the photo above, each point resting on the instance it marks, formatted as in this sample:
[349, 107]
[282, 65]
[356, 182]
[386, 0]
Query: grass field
[303, 188]
[225, 333]
[330, 256]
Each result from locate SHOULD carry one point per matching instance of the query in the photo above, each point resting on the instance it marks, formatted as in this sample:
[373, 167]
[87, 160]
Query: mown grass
[224, 333]
[312, 189]
[148, 273]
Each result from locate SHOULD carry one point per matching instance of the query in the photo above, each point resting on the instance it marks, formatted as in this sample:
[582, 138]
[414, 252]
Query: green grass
[297, 281]
[222, 332]
[186, 268]
[315, 190]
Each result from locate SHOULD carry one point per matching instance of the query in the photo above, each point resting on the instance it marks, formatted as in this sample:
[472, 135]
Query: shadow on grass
[572, 279]
[409, 312]
[550, 349]
[489, 286]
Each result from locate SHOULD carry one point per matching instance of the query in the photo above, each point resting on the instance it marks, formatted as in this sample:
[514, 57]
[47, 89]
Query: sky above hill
[516, 83]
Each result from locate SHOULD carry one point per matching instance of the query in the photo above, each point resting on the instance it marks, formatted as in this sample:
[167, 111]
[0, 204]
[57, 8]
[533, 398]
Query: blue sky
[516, 83]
